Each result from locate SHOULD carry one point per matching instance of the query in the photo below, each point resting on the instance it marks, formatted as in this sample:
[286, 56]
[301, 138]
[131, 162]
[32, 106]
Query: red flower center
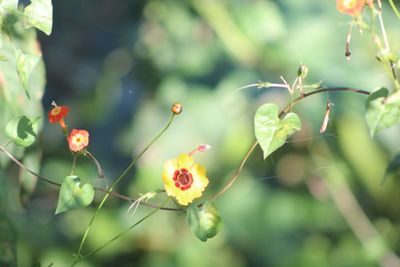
[183, 179]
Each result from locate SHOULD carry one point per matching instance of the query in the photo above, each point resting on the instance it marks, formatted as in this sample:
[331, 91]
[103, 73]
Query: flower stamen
[200, 148]
[183, 179]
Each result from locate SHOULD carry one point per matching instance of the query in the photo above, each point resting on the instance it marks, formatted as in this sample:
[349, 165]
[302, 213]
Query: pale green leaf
[272, 132]
[25, 65]
[381, 115]
[73, 195]
[39, 14]
[22, 131]
[8, 5]
[205, 222]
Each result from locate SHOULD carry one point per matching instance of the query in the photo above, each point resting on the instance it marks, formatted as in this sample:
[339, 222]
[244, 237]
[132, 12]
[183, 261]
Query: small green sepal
[205, 221]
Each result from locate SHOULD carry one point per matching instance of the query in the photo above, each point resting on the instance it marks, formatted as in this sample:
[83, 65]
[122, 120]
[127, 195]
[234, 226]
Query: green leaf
[393, 169]
[73, 195]
[8, 5]
[272, 132]
[39, 14]
[25, 65]
[22, 130]
[205, 222]
[381, 115]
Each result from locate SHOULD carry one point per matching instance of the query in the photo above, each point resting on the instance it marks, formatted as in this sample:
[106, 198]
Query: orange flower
[351, 7]
[78, 140]
[57, 114]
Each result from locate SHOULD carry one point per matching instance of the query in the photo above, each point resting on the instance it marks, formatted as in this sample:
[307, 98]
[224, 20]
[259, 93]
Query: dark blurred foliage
[119, 65]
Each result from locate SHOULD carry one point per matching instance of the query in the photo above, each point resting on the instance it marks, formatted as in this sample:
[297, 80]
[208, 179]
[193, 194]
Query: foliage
[73, 195]
[324, 206]
[270, 131]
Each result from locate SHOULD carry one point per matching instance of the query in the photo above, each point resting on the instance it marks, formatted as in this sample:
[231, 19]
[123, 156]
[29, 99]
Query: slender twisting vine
[184, 179]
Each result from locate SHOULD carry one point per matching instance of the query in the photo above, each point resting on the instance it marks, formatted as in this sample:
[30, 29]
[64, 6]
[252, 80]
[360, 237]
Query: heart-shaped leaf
[73, 195]
[381, 115]
[272, 132]
[205, 221]
[39, 14]
[22, 131]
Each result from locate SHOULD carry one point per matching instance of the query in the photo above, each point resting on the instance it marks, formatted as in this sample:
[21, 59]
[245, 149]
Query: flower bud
[176, 108]
[205, 221]
[302, 71]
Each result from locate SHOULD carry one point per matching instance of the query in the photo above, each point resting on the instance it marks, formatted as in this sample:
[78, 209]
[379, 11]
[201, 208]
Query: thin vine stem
[22, 166]
[385, 39]
[49, 181]
[281, 114]
[73, 164]
[330, 89]
[230, 181]
[396, 11]
[125, 231]
[116, 181]
[236, 173]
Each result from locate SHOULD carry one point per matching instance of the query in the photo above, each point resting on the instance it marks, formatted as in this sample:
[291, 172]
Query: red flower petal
[57, 113]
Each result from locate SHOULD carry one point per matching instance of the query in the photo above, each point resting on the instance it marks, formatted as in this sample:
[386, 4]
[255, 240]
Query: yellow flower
[184, 179]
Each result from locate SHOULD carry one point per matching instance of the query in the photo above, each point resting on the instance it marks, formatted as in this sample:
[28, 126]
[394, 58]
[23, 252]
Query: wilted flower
[78, 140]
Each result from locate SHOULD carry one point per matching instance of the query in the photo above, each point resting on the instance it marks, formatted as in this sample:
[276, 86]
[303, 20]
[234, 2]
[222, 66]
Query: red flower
[57, 114]
[78, 140]
[351, 7]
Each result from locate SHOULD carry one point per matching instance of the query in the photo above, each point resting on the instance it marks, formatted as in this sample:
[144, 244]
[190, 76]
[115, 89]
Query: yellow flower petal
[184, 165]
[185, 161]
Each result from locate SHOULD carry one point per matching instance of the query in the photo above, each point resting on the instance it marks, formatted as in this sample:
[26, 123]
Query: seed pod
[324, 124]
[205, 221]
[302, 71]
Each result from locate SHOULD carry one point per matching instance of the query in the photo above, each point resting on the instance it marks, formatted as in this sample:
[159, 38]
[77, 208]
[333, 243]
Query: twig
[22, 166]
[331, 89]
[47, 180]
[237, 172]
[100, 171]
[231, 180]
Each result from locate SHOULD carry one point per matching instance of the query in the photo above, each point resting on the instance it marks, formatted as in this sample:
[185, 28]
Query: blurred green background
[119, 65]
